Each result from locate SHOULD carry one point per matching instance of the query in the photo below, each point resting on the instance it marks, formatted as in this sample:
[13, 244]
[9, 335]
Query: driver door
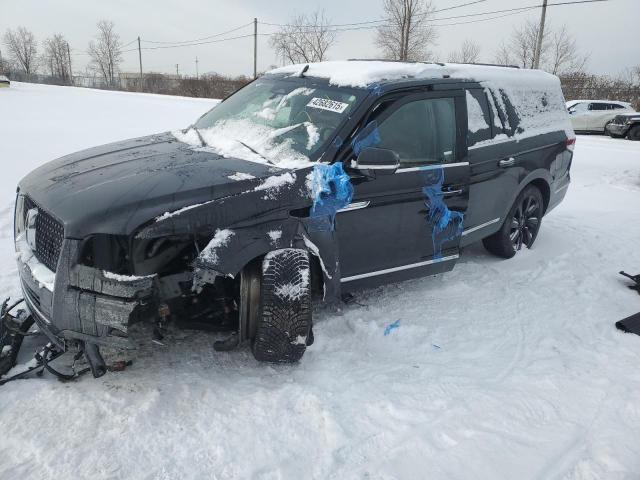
[407, 223]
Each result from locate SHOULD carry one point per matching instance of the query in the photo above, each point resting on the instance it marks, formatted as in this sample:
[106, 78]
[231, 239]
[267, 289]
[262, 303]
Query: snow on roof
[362, 73]
[574, 102]
[535, 95]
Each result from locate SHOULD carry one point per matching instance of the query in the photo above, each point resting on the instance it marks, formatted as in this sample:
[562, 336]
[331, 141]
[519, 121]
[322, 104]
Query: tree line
[406, 34]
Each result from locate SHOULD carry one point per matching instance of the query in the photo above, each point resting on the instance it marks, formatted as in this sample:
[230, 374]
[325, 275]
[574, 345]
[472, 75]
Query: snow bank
[520, 344]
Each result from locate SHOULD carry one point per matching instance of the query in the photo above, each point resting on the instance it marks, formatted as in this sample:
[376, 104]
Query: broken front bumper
[81, 303]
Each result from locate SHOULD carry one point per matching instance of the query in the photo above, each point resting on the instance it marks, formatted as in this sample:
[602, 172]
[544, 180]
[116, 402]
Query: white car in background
[594, 115]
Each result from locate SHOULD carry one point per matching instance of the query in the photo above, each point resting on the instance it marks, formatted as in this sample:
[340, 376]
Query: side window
[615, 106]
[580, 107]
[479, 117]
[421, 132]
[599, 106]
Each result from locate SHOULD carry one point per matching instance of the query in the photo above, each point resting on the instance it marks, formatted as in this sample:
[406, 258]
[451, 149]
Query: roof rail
[434, 62]
[486, 64]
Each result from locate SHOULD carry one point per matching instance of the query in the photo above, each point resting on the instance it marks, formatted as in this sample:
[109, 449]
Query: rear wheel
[521, 226]
[283, 323]
[634, 133]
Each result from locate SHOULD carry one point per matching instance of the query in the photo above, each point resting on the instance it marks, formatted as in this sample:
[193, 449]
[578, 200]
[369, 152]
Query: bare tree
[56, 57]
[406, 34]
[560, 53]
[564, 54]
[23, 49]
[106, 51]
[469, 53]
[306, 38]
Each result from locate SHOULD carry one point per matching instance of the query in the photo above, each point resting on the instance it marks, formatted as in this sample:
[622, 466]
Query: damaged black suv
[311, 180]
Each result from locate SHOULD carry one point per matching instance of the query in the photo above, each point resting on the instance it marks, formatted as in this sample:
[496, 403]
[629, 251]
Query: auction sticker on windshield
[330, 105]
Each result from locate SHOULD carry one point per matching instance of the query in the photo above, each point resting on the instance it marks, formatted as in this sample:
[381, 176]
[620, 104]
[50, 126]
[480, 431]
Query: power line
[193, 44]
[374, 21]
[203, 38]
[517, 9]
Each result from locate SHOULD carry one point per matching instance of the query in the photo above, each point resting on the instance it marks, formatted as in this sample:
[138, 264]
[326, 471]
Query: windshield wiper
[248, 147]
[204, 144]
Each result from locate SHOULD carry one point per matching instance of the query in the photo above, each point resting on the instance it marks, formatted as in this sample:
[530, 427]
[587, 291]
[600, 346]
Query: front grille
[49, 236]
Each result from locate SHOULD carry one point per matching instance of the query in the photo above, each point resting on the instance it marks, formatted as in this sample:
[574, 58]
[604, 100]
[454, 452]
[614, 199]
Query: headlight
[19, 217]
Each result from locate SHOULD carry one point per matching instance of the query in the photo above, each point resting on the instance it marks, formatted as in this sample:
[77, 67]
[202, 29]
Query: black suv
[625, 126]
[318, 179]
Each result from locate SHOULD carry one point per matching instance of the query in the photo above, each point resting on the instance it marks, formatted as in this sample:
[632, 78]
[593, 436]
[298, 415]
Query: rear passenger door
[395, 227]
[599, 114]
[494, 176]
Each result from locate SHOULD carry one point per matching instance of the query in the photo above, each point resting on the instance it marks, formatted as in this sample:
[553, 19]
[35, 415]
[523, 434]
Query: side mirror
[379, 159]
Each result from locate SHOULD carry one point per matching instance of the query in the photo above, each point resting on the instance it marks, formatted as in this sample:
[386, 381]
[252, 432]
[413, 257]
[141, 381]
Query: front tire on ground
[284, 317]
[520, 227]
[634, 133]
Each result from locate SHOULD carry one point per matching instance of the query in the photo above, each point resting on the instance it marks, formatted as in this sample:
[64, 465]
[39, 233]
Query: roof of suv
[614, 102]
[363, 73]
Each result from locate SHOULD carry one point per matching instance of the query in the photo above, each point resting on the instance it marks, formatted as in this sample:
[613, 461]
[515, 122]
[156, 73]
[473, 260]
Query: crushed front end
[73, 303]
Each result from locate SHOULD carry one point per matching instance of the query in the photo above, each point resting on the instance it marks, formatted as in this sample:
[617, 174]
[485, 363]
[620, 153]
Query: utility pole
[197, 75]
[538, 52]
[177, 71]
[255, 48]
[140, 59]
[69, 60]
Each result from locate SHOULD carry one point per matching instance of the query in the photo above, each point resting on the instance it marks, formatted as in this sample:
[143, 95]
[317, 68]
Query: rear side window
[599, 106]
[421, 132]
[615, 106]
[479, 117]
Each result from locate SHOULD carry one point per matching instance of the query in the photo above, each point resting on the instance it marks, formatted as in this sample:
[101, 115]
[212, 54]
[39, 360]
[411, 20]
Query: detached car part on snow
[291, 187]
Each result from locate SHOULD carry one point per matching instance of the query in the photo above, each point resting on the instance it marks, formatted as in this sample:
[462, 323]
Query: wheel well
[544, 188]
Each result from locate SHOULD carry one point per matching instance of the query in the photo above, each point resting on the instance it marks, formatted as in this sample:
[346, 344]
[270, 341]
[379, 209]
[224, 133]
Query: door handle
[451, 192]
[507, 162]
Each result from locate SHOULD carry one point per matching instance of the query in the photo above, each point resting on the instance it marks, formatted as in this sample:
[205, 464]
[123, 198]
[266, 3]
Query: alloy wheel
[525, 223]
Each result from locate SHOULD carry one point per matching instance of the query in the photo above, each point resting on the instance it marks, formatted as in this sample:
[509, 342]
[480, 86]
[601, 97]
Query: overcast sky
[608, 30]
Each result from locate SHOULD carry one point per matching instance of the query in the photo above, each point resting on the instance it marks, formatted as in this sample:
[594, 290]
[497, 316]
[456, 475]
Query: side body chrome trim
[432, 167]
[355, 206]
[399, 269]
[482, 225]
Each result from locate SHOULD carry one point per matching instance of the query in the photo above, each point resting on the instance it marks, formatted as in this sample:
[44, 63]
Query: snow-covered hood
[116, 188]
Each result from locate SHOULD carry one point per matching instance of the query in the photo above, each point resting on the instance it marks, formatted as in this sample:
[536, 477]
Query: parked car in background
[4, 81]
[627, 125]
[594, 115]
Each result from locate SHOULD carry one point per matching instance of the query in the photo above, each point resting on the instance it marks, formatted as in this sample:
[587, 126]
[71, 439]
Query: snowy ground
[498, 370]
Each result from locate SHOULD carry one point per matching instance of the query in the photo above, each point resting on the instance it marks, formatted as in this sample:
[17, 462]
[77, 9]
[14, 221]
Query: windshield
[280, 121]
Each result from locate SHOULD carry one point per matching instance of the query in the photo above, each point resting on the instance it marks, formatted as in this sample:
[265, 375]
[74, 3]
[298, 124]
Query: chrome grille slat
[49, 236]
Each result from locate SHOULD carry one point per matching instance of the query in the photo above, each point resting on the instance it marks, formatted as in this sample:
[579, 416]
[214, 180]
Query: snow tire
[284, 317]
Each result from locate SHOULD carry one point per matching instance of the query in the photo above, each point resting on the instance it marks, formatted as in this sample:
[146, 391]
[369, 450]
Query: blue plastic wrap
[446, 224]
[331, 190]
[369, 136]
